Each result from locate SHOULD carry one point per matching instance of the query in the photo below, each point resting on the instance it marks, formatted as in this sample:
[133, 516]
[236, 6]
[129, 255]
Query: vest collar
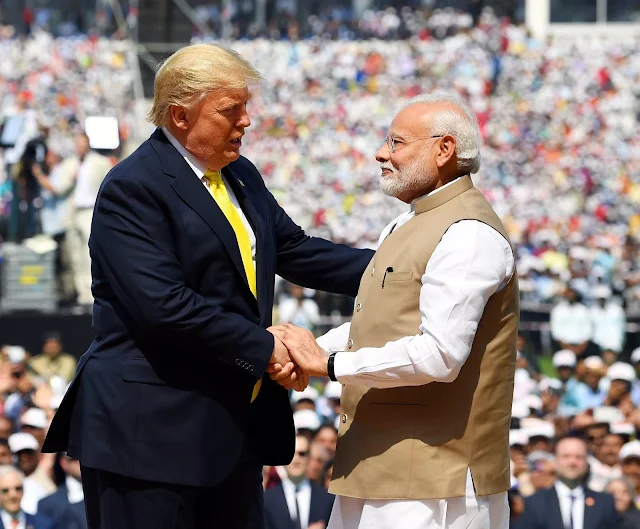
[442, 196]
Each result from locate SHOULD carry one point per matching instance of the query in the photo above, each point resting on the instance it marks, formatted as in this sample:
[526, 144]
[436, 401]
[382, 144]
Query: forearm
[409, 361]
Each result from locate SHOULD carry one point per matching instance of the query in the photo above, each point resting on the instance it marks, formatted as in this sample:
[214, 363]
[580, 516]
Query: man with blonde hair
[169, 413]
[428, 380]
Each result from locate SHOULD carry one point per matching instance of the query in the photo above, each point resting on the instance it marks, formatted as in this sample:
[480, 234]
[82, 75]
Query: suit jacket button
[251, 368]
[350, 344]
[358, 307]
[238, 361]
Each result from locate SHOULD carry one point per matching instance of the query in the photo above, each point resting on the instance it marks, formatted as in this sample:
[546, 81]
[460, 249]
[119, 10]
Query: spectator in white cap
[564, 361]
[518, 442]
[570, 323]
[630, 463]
[541, 434]
[305, 400]
[608, 319]
[550, 394]
[34, 421]
[604, 464]
[306, 422]
[331, 399]
[25, 447]
[590, 394]
[621, 376]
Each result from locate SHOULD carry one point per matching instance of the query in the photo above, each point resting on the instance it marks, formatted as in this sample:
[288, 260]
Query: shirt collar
[198, 167]
[415, 201]
[20, 517]
[565, 491]
[301, 486]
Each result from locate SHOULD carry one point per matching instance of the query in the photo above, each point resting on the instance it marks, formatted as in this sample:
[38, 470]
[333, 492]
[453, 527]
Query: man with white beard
[428, 360]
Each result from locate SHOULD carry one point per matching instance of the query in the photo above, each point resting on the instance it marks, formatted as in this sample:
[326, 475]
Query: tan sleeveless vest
[418, 442]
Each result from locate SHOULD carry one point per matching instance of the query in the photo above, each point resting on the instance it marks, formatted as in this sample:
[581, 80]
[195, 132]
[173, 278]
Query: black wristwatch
[330, 367]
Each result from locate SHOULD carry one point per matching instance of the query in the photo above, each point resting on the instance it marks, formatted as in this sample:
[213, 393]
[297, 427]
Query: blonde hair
[193, 72]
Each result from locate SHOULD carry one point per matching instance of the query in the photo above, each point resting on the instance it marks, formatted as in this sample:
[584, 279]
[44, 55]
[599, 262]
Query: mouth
[237, 143]
[387, 172]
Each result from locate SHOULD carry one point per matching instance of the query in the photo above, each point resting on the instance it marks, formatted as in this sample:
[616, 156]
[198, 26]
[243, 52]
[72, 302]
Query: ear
[179, 117]
[446, 151]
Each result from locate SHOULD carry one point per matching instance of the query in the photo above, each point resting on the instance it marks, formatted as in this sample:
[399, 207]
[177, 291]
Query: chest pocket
[389, 277]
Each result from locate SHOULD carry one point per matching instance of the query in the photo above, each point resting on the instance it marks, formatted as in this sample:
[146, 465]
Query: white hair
[5, 470]
[464, 128]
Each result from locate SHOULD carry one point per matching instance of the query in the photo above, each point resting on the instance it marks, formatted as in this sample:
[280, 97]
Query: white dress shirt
[470, 264]
[564, 497]
[303, 498]
[199, 169]
[7, 518]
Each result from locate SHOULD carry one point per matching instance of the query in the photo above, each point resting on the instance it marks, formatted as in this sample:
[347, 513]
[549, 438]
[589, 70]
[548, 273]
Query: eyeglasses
[303, 454]
[395, 144]
[6, 490]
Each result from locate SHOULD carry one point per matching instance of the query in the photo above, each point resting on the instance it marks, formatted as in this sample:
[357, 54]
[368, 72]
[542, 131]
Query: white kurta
[469, 265]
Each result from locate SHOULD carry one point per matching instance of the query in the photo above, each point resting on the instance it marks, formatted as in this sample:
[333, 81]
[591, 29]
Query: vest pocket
[398, 276]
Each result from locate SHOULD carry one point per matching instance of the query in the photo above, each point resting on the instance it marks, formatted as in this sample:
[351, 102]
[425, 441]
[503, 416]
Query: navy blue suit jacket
[163, 392]
[65, 515]
[542, 511]
[277, 514]
[35, 522]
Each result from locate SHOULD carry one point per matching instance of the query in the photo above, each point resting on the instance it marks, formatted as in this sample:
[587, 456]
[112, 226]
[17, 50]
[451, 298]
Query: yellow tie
[221, 195]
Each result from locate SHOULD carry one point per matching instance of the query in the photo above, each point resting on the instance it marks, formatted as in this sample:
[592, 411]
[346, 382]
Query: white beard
[411, 179]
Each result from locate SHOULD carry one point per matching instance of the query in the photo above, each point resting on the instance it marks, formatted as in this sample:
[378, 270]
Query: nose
[383, 153]
[245, 120]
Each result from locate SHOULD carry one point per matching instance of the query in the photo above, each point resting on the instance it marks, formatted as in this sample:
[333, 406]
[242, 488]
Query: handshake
[296, 356]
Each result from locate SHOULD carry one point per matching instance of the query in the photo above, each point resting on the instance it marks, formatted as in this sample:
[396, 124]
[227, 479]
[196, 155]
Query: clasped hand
[296, 357]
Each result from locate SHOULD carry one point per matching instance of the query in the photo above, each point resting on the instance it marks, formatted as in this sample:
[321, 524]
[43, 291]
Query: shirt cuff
[344, 365]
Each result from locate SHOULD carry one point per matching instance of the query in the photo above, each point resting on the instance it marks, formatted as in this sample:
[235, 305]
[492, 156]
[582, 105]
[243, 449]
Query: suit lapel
[252, 215]
[190, 189]
[591, 521]
[553, 504]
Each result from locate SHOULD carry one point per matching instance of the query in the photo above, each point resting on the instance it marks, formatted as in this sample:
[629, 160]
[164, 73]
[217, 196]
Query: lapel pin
[589, 502]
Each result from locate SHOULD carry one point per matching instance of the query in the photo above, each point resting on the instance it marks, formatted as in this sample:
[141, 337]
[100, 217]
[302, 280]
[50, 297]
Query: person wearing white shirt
[569, 503]
[11, 493]
[471, 262]
[92, 168]
[302, 312]
[296, 503]
[570, 321]
[609, 321]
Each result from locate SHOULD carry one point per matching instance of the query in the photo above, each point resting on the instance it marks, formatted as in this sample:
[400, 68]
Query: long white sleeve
[335, 339]
[470, 264]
